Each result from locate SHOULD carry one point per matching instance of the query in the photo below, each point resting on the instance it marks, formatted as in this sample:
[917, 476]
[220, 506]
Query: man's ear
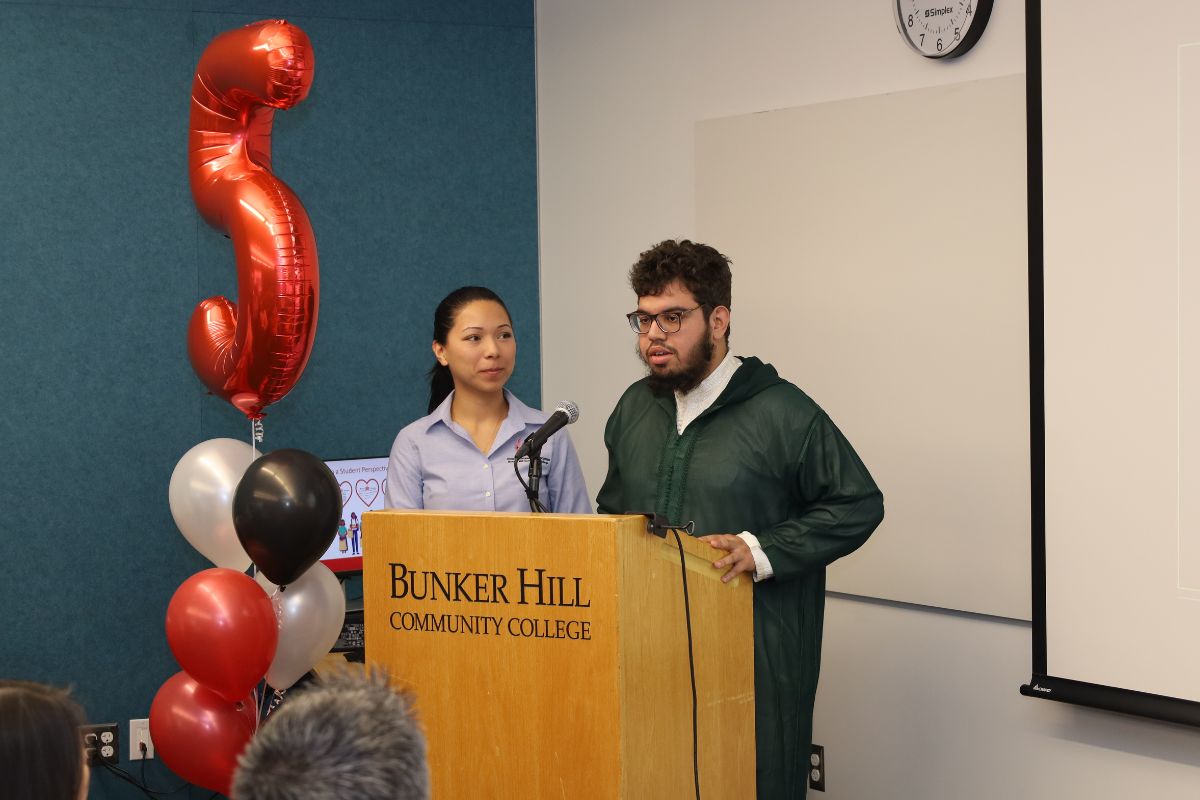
[439, 352]
[718, 320]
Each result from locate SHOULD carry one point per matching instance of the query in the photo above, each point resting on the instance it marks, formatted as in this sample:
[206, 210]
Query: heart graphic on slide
[346, 490]
[367, 491]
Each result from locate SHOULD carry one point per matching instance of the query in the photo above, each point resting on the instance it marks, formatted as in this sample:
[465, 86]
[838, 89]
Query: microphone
[566, 413]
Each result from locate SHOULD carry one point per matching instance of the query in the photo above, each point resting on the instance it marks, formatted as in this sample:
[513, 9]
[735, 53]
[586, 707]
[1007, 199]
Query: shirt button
[485, 466]
[487, 494]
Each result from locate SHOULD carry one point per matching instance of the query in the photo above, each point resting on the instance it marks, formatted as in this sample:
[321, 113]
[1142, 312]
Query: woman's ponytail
[441, 384]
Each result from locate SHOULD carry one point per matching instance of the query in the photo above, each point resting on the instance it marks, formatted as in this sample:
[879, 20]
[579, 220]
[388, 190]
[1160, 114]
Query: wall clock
[944, 29]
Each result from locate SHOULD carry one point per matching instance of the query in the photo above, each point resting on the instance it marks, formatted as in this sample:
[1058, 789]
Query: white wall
[914, 703]
[621, 85]
[921, 703]
[845, 283]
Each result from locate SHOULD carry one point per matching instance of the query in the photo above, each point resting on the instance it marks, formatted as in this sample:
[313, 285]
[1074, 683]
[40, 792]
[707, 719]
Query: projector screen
[1116, 625]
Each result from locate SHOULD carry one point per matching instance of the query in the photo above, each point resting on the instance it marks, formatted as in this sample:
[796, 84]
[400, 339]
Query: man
[349, 735]
[757, 465]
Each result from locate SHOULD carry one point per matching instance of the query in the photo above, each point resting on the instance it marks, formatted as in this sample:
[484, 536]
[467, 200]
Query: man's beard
[695, 365]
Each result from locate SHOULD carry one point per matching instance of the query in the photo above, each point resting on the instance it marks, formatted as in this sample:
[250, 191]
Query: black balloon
[286, 509]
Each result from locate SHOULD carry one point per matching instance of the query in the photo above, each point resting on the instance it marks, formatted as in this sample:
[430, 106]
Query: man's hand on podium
[739, 558]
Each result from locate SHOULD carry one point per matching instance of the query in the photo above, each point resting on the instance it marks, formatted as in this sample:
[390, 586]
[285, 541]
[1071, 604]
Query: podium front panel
[547, 654]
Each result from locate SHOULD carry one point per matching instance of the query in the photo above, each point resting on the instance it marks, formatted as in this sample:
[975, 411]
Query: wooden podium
[548, 654]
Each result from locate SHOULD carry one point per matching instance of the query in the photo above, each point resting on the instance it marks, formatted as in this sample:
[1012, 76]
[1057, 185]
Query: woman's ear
[439, 352]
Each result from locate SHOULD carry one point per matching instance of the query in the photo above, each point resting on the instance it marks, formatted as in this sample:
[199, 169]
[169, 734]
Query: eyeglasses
[668, 321]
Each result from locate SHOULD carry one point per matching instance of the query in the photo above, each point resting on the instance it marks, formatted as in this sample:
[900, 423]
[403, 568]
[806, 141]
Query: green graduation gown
[763, 458]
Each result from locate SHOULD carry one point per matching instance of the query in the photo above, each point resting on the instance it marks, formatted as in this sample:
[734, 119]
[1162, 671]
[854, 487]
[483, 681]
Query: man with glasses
[724, 442]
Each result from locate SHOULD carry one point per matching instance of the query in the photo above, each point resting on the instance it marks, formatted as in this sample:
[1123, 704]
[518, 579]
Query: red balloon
[222, 628]
[198, 734]
[253, 353]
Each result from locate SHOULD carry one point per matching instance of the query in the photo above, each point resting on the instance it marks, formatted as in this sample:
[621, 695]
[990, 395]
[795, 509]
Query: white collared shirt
[696, 402]
[691, 405]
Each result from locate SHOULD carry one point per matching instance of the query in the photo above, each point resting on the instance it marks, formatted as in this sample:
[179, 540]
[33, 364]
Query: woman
[40, 744]
[460, 456]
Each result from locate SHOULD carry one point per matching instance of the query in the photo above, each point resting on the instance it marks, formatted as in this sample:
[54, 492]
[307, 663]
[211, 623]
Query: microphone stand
[535, 478]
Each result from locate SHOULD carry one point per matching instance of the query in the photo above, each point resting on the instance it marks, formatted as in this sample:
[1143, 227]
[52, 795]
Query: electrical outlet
[816, 768]
[139, 734]
[100, 742]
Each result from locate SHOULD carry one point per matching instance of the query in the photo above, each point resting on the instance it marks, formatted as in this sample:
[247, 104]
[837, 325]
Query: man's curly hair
[350, 735]
[701, 269]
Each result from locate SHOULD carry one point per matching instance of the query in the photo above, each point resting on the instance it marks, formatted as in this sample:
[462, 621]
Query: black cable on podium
[659, 527]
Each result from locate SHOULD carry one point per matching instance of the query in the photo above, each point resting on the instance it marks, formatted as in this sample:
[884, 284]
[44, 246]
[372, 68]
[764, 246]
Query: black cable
[121, 774]
[176, 790]
[535, 504]
[687, 615]
[141, 785]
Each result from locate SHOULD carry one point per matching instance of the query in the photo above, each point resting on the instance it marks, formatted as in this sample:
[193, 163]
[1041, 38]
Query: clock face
[942, 29]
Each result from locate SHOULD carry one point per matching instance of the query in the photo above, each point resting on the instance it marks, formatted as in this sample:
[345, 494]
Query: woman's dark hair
[40, 744]
[441, 382]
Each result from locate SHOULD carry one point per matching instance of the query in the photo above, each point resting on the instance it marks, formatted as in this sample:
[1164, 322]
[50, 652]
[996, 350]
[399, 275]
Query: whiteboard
[879, 262]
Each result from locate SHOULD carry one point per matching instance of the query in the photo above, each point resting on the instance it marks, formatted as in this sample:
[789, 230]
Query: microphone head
[568, 408]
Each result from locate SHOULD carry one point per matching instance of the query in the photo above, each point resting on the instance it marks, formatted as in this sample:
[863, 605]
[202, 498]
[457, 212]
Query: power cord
[141, 784]
[687, 614]
[657, 525]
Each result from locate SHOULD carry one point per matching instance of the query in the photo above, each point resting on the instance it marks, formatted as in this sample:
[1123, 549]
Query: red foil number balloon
[251, 354]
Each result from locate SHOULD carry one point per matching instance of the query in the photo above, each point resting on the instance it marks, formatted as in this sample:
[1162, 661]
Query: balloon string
[260, 714]
[256, 435]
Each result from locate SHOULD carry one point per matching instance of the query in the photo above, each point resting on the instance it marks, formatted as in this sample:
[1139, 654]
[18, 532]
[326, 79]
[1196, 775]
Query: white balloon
[310, 613]
[201, 497]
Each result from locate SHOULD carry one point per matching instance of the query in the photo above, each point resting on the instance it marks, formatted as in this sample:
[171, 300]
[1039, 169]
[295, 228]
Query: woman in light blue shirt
[460, 456]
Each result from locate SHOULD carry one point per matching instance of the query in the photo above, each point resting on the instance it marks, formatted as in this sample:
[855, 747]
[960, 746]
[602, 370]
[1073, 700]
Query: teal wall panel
[415, 156]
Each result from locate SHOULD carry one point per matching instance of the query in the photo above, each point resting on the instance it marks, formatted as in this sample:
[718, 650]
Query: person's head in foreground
[41, 747]
[349, 735]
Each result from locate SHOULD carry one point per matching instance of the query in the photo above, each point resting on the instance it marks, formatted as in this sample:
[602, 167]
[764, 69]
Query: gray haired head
[349, 735]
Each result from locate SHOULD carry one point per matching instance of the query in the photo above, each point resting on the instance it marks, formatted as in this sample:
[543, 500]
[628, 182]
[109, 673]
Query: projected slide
[363, 482]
